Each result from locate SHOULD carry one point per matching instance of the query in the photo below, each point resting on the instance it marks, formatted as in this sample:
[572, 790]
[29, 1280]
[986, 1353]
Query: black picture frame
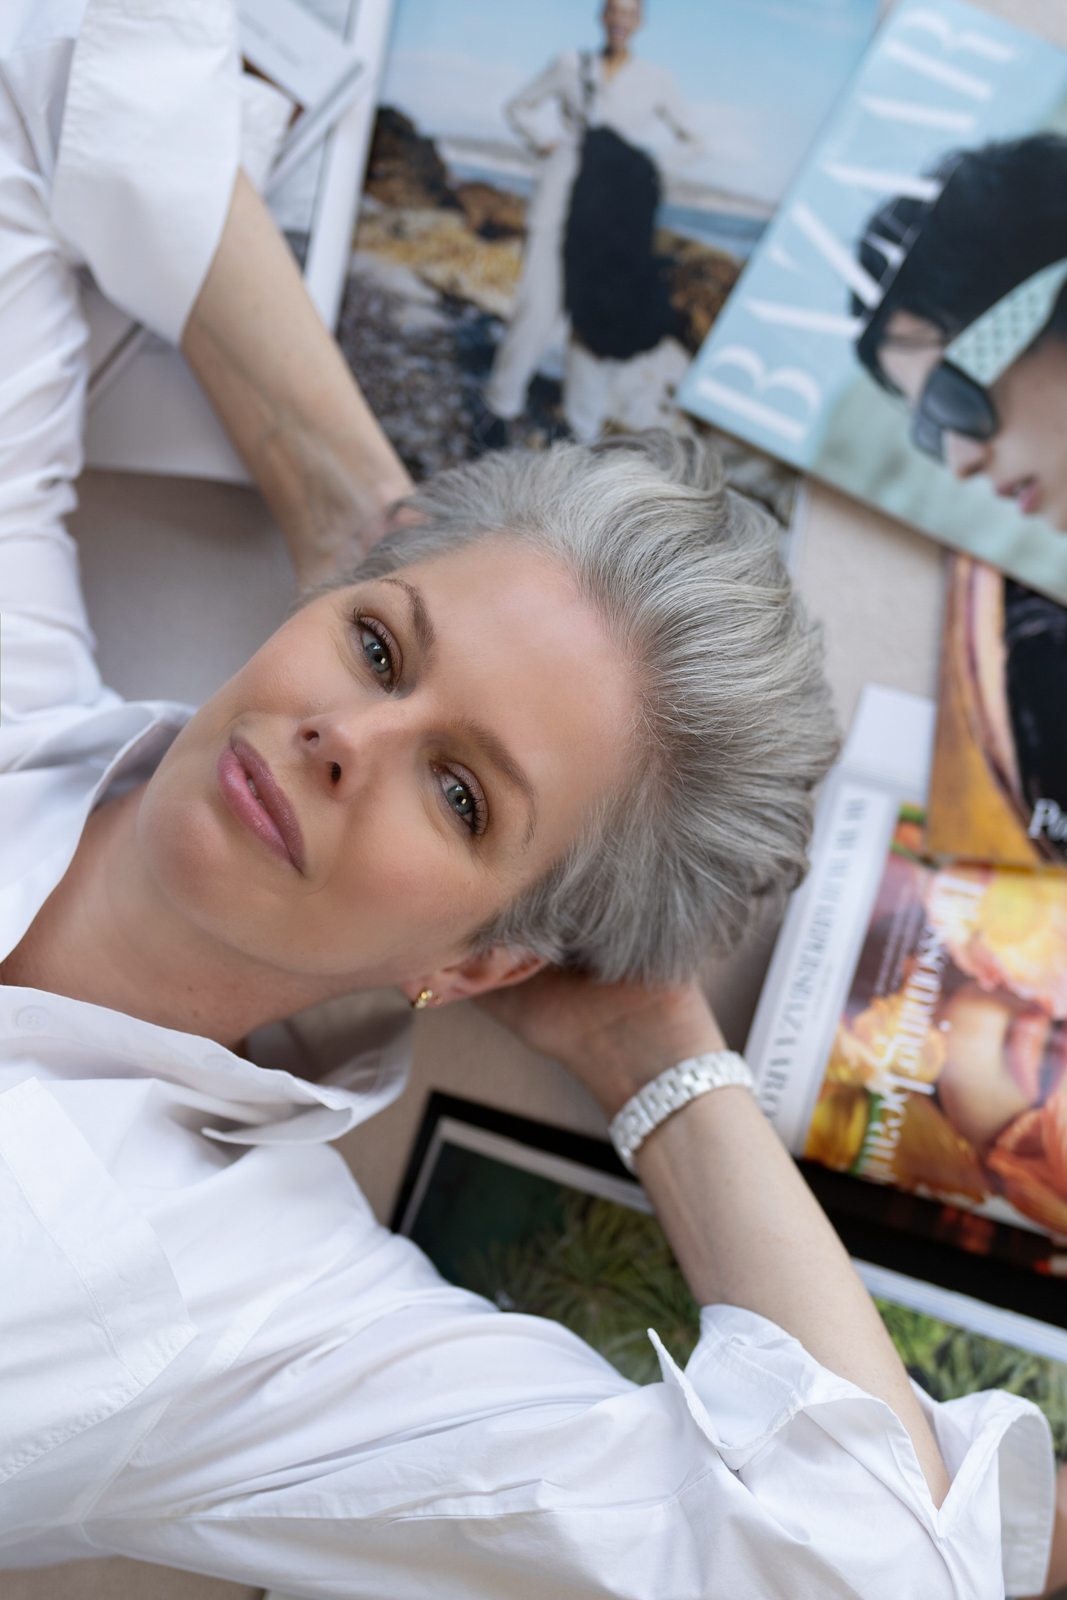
[901, 1233]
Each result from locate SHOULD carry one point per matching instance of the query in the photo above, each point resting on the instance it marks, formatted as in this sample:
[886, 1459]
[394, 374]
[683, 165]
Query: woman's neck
[107, 936]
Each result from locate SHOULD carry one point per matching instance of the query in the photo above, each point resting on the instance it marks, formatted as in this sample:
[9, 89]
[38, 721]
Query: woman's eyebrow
[420, 617]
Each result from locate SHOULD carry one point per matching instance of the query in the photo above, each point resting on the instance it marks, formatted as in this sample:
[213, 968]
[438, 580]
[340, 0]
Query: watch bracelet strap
[668, 1093]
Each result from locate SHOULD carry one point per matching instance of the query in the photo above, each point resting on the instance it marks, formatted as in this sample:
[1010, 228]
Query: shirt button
[32, 1018]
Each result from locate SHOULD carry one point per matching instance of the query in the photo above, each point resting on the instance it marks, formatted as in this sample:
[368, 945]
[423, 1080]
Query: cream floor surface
[185, 579]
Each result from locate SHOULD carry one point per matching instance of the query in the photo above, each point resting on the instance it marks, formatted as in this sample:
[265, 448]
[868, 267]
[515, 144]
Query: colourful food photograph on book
[946, 1073]
[998, 791]
[901, 329]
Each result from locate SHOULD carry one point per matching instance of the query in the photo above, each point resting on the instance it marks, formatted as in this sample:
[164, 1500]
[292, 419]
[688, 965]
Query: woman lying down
[543, 745]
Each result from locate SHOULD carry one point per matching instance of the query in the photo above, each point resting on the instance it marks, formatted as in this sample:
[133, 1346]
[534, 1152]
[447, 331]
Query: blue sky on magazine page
[779, 368]
[937, 77]
[758, 75]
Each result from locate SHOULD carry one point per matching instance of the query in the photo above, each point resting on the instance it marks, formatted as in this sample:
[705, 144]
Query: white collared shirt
[212, 1355]
[639, 101]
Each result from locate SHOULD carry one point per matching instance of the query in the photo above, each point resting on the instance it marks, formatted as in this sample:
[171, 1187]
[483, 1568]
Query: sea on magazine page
[901, 328]
[998, 791]
[545, 1222]
[912, 1028]
[490, 302]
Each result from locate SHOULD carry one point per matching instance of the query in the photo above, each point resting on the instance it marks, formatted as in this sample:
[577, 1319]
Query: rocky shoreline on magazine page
[946, 1072]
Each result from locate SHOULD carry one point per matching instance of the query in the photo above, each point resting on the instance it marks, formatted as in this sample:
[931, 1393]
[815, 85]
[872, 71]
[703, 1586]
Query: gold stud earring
[422, 1000]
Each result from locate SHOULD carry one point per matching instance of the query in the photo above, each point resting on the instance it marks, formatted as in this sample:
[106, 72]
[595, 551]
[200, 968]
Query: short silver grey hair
[734, 726]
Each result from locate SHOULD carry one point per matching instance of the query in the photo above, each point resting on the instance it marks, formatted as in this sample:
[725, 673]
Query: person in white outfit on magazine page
[543, 742]
[615, 89]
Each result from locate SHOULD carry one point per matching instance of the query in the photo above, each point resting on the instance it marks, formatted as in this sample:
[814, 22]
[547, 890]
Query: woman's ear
[497, 968]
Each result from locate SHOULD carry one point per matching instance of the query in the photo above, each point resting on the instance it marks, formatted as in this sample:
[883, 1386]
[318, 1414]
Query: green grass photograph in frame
[547, 1222]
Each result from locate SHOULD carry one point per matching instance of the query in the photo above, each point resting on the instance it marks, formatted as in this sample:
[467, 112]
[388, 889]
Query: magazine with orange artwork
[998, 791]
[945, 1075]
[912, 1028]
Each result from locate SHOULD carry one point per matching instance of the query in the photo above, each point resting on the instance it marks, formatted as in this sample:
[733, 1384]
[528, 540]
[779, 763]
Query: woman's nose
[346, 748]
[965, 457]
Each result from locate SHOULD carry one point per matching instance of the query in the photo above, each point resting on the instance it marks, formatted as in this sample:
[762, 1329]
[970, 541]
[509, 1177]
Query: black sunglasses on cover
[951, 401]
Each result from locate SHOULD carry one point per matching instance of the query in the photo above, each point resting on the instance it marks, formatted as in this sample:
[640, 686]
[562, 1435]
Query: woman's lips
[256, 800]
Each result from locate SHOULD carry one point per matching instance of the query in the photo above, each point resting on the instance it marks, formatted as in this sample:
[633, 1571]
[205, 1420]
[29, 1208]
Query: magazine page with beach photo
[998, 791]
[559, 199]
[912, 1029]
[901, 328]
[547, 1222]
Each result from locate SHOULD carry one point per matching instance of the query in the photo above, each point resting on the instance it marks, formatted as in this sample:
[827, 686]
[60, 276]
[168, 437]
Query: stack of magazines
[901, 333]
[890, 318]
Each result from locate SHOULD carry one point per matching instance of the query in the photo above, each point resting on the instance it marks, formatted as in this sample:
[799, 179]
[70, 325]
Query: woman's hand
[614, 1037]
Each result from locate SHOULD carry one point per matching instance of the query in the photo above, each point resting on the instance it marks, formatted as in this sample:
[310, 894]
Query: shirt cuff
[996, 1446]
[149, 151]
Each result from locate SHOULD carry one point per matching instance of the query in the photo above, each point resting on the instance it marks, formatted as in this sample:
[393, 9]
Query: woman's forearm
[742, 1222]
[748, 1232]
[283, 392]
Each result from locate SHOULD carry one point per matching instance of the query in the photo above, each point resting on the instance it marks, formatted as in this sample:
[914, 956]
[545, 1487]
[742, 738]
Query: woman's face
[621, 20]
[1026, 459]
[392, 767]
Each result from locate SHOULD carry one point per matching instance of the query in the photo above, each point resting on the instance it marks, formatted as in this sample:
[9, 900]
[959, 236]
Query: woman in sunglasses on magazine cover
[972, 327]
[543, 744]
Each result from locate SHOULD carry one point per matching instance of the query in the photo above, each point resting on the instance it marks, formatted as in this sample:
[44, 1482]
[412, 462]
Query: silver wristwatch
[671, 1091]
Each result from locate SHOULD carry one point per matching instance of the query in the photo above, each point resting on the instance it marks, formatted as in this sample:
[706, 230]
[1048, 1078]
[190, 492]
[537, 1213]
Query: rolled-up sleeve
[149, 151]
[826, 1462]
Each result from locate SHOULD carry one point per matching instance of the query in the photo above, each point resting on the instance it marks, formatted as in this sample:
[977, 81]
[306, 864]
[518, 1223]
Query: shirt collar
[104, 753]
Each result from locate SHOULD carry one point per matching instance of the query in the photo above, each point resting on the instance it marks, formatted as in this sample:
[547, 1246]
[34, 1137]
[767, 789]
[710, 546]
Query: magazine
[456, 319]
[911, 1031]
[998, 791]
[548, 1222]
[897, 331]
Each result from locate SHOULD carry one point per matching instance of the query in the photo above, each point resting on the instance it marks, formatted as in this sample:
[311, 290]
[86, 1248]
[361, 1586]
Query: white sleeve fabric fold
[149, 151]
[46, 647]
[384, 1433]
[79, 1348]
[998, 1450]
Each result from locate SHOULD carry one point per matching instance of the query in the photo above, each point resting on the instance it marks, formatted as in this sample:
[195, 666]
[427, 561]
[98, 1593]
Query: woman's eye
[377, 653]
[464, 802]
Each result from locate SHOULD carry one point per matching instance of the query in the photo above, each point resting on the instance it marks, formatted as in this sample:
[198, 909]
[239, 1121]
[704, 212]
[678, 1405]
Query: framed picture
[545, 1221]
[548, 1222]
